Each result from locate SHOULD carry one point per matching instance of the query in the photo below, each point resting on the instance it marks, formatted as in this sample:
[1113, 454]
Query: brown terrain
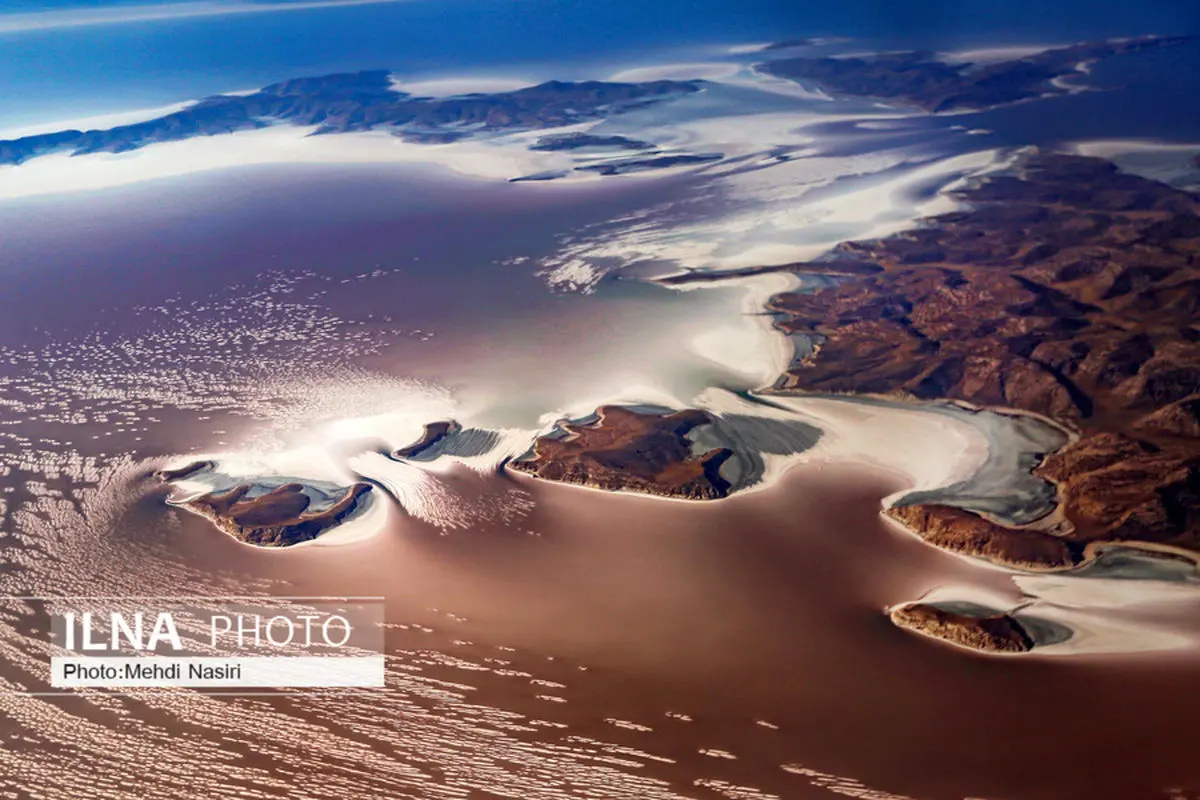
[361, 101]
[844, 267]
[625, 450]
[926, 81]
[278, 518]
[965, 532]
[1065, 288]
[1068, 289]
[998, 633]
[183, 472]
[434, 433]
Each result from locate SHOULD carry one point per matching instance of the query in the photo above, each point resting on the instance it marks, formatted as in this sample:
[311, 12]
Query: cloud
[112, 15]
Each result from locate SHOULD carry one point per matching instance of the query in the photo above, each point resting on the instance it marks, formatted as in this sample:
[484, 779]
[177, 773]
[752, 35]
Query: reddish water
[593, 646]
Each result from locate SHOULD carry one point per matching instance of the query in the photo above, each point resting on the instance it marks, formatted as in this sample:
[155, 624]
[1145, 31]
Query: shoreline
[991, 472]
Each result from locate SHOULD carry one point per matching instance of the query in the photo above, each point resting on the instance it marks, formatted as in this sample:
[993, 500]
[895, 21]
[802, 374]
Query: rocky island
[995, 633]
[622, 449]
[931, 83]
[650, 162]
[178, 473]
[580, 141]
[434, 433]
[280, 517]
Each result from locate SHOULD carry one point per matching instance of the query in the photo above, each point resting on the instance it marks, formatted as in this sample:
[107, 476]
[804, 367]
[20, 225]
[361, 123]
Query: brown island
[278, 518]
[179, 473]
[629, 450]
[434, 433]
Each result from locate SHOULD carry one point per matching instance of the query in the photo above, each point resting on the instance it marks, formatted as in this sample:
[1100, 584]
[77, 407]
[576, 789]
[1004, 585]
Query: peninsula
[932, 82]
[364, 101]
[1068, 289]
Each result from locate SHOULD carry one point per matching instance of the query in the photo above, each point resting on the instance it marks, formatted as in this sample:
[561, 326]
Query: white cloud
[111, 15]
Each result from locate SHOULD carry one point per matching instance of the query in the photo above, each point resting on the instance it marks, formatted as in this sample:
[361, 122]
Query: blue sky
[1175, 16]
